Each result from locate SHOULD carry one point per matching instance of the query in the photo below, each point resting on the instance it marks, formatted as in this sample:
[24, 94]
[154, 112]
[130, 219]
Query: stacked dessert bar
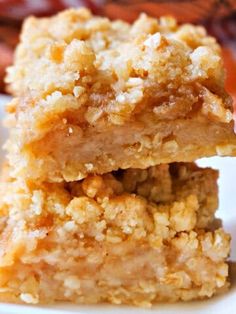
[100, 198]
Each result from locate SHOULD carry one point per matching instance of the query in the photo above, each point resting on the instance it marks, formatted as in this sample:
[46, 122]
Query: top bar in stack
[93, 96]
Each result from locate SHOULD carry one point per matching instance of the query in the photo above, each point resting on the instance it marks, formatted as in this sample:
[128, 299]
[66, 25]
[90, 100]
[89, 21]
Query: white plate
[218, 305]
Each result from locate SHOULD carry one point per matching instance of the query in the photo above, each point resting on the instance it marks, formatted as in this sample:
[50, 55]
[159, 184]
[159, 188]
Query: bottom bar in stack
[132, 236]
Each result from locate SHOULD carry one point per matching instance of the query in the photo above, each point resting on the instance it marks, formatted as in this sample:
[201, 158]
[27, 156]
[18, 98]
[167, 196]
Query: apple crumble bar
[94, 95]
[125, 237]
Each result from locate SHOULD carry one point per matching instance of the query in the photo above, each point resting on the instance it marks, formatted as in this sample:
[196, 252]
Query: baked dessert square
[94, 96]
[132, 237]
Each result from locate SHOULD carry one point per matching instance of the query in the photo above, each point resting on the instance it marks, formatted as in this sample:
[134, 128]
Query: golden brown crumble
[112, 238]
[110, 71]
[95, 95]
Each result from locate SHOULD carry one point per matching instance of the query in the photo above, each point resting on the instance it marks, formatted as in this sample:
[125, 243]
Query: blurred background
[218, 16]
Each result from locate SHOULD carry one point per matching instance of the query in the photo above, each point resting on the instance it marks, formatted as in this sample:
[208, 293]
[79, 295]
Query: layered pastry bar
[94, 96]
[132, 237]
